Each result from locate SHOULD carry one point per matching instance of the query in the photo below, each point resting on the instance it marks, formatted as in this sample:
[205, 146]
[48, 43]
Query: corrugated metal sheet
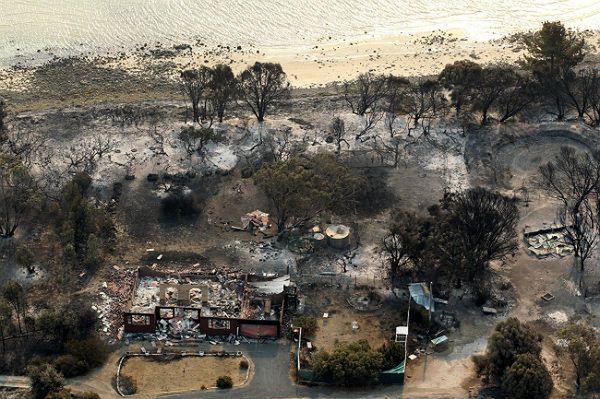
[419, 292]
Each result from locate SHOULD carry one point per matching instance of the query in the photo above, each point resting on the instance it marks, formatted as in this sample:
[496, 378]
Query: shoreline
[307, 67]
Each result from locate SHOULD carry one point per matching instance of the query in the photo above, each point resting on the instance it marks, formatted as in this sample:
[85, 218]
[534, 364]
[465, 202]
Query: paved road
[271, 380]
[9, 381]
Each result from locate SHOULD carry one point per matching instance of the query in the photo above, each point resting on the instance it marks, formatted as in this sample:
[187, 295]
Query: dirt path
[11, 381]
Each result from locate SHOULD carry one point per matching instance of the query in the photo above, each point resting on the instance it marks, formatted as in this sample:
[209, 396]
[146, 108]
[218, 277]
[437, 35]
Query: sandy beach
[110, 78]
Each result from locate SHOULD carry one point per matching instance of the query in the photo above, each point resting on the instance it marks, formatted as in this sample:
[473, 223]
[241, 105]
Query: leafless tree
[423, 102]
[578, 89]
[593, 111]
[279, 145]
[515, 99]
[580, 229]
[337, 129]
[195, 83]
[83, 156]
[574, 179]
[194, 140]
[365, 92]
[18, 194]
[25, 145]
[261, 85]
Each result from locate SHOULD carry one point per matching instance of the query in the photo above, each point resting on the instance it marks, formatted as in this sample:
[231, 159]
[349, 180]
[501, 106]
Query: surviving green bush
[224, 382]
[393, 354]
[308, 324]
[353, 363]
[527, 378]
[510, 339]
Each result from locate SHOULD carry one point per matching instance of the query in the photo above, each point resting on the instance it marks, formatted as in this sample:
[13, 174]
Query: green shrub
[349, 364]
[308, 324]
[224, 382]
[527, 378]
[510, 339]
[393, 354]
[244, 364]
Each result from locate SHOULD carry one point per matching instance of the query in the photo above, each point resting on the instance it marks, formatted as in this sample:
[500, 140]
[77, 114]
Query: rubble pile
[113, 299]
[550, 242]
[222, 299]
[178, 327]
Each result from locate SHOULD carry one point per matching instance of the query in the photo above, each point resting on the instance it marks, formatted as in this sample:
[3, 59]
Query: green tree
[510, 339]
[44, 380]
[461, 78]
[261, 85]
[527, 378]
[583, 347]
[80, 224]
[308, 324]
[495, 81]
[349, 364]
[553, 53]
[92, 351]
[393, 354]
[299, 189]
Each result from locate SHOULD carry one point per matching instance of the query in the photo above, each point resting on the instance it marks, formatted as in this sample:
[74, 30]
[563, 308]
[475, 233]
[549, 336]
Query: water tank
[338, 236]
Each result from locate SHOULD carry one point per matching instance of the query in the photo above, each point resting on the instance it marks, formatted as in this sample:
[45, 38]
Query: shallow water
[76, 26]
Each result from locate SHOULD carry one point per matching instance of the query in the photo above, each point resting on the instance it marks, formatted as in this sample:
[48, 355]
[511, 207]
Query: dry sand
[328, 61]
[409, 55]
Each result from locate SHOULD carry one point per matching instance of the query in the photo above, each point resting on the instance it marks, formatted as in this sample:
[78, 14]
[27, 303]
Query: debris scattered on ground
[548, 242]
[558, 317]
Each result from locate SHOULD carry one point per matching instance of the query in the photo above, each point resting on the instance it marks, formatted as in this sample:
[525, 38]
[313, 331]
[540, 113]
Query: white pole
[299, 344]
[430, 299]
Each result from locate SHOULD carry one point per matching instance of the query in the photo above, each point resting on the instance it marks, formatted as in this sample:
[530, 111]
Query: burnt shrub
[179, 203]
[127, 385]
[70, 366]
[92, 351]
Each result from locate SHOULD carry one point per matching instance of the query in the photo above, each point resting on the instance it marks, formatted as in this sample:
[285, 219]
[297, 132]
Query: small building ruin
[196, 305]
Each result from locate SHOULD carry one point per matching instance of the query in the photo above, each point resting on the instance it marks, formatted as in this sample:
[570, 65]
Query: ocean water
[66, 27]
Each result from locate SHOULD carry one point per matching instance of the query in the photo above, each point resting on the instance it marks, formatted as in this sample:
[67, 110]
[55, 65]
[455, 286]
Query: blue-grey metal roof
[419, 292]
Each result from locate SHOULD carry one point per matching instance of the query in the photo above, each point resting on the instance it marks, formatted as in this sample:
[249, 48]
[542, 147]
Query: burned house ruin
[196, 305]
